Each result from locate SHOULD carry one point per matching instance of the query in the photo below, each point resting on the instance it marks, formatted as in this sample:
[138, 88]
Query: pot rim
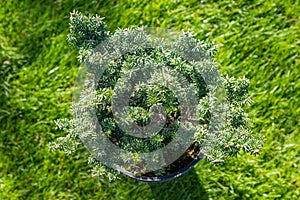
[169, 177]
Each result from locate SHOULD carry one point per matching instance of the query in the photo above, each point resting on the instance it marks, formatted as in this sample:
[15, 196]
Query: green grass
[259, 39]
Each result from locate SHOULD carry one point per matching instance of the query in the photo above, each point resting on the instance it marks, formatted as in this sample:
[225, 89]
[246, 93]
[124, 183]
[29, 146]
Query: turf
[258, 39]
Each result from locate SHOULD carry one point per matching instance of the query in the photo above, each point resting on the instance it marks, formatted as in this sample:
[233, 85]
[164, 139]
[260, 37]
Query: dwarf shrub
[87, 32]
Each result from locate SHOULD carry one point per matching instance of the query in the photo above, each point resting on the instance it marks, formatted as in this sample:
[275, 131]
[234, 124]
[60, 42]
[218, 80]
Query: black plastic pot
[164, 178]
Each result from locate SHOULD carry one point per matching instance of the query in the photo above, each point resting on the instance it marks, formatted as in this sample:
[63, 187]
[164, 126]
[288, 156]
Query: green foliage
[256, 39]
[86, 32]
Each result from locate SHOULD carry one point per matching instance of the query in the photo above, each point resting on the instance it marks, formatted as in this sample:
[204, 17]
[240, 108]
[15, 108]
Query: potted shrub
[152, 105]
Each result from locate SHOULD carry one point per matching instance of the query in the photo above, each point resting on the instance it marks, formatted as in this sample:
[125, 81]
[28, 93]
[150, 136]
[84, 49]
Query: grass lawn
[258, 39]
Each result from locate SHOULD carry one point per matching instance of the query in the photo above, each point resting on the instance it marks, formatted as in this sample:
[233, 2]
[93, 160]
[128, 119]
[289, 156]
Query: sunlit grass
[257, 39]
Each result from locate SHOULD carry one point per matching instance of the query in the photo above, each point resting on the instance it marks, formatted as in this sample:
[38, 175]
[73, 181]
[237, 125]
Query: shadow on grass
[188, 186]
